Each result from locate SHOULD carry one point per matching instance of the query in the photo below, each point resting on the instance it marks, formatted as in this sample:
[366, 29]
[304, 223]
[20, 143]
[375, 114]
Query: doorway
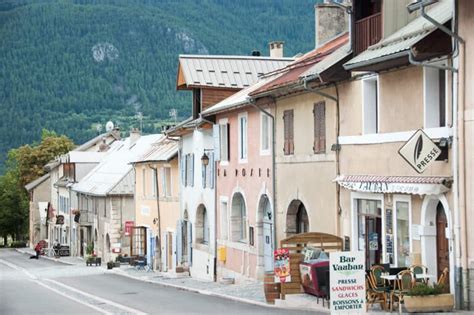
[265, 217]
[369, 221]
[442, 244]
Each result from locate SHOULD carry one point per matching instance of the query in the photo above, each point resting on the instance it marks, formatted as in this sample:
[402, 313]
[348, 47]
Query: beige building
[157, 204]
[40, 197]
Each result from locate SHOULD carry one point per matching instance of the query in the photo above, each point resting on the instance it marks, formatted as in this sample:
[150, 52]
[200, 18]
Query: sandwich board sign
[419, 151]
[347, 282]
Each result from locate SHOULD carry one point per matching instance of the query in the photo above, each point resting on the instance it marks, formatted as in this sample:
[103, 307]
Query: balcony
[368, 31]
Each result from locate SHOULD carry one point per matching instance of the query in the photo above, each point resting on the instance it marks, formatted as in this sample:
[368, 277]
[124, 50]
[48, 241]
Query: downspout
[158, 246]
[337, 148]
[272, 117]
[215, 219]
[457, 116]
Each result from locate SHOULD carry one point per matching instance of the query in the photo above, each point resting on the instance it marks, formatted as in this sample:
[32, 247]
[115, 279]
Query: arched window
[302, 224]
[239, 219]
[202, 225]
[297, 220]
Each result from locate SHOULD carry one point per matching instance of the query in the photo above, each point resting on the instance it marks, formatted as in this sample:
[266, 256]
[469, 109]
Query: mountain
[70, 65]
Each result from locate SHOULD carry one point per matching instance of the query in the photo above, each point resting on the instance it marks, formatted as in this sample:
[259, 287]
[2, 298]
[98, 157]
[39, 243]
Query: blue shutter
[191, 156]
[179, 242]
[164, 251]
[216, 137]
[190, 243]
[212, 170]
[183, 170]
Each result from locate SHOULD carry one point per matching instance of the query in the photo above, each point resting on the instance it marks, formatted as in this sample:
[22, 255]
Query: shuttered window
[189, 170]
[319, 114]
[288, 126]
[224, 142]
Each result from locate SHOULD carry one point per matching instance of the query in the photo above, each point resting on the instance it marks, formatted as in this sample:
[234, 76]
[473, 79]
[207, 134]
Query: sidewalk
[65, 259]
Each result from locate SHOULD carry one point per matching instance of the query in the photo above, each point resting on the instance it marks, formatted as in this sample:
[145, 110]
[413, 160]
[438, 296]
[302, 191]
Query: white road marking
[34, 279]
[117, 305]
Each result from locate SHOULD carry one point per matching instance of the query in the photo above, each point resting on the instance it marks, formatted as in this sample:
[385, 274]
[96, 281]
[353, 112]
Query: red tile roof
[295, 69]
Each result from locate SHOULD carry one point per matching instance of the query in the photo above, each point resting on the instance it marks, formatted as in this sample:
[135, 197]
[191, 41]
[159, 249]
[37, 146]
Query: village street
[47, 287]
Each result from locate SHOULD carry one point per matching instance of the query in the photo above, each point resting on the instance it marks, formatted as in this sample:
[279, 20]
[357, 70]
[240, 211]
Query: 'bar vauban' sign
[347, 281]
[419, 151]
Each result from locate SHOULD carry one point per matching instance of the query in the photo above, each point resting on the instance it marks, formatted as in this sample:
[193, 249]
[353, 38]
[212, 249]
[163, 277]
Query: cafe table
[417, 276]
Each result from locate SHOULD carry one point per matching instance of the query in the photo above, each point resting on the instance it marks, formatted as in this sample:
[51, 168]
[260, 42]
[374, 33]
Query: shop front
[400, 221]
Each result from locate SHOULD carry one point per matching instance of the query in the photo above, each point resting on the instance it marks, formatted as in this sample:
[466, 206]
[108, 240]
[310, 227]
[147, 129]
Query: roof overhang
[416, 185]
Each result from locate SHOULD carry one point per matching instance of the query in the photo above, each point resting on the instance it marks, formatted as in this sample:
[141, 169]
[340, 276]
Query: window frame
[431, 102]
[263, 150]
[366, 129]
[224, 146]
[289, 132]
[243, 137]
[319, 125]
[395, 199]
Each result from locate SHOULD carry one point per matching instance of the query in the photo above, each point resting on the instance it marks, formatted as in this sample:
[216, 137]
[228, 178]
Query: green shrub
[424, 289]
[18, 244]
[90, 248]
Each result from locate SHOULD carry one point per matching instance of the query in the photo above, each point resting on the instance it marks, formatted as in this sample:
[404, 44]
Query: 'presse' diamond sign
[419, 151]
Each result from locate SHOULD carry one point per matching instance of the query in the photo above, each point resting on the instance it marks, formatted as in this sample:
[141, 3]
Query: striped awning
[419, 185]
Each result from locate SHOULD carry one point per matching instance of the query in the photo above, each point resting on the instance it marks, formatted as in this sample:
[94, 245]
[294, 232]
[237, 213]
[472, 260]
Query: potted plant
[425, 298]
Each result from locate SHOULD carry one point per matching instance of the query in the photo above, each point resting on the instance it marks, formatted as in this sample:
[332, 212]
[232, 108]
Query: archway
[238, 219]
[436, 236]
[265, 233]
[297, 220]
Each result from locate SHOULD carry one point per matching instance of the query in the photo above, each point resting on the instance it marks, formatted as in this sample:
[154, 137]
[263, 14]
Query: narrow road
[47, 287]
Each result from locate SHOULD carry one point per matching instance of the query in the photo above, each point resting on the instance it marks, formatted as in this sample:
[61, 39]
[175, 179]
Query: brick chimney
[276, 49]
[330, 21]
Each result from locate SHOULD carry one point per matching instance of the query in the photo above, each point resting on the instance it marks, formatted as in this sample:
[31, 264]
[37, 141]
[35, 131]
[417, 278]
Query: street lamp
[205, 159]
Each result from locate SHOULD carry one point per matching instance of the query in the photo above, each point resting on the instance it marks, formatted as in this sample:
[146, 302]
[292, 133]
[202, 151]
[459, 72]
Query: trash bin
[314, 277]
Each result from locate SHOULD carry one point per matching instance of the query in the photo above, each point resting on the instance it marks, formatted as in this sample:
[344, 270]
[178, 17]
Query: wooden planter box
[429, 303]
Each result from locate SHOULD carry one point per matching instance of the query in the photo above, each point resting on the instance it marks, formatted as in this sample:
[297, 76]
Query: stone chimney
[276, 49]
[115, 133]
[104, 147]
[134, 135]
[330, 20]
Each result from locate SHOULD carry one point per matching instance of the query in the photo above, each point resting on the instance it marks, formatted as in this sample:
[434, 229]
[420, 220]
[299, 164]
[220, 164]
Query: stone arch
[265, 236]
[202, 225]
[297, 219]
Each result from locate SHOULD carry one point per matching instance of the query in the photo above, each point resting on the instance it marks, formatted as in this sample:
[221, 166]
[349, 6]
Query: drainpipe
[272, 117]
[458, 169]
[158, 246]
[337, 149]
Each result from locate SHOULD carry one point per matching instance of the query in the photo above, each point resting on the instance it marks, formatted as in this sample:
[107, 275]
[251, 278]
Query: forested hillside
[69, 65]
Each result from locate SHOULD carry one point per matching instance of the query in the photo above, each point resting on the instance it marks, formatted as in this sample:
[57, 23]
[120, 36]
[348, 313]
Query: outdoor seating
[403, 284]
[375, 295]
[417, 270]
[443, 278]
[376, 272]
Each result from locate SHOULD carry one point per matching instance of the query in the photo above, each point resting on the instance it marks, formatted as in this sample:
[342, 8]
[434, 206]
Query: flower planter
[429, 303]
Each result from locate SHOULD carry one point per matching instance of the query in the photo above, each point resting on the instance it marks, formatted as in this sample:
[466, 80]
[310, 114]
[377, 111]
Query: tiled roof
[335, 57]
[295, 70]
[234, 72]
[402, 40]
[161, 151]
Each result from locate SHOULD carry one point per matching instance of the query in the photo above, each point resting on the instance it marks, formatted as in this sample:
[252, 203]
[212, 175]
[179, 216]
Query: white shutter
[183, 170]
[164, 251]
[211, 170]
[174, 251]
[179, 242]
[191, 156]
[190, 243]
[216, 137]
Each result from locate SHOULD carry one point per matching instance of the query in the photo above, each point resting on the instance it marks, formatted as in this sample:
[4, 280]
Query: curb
[209, 293]
[22, 251]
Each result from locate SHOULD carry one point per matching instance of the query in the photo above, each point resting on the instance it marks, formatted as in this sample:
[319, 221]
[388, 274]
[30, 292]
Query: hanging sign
[419, 151]
[128, 227]
[282, 265]
[347, 282]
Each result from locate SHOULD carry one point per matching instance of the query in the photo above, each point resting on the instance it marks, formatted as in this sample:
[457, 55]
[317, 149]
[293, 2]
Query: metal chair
[403, 284]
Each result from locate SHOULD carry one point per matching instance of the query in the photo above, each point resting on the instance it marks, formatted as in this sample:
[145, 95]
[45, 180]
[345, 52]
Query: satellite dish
[109, 126]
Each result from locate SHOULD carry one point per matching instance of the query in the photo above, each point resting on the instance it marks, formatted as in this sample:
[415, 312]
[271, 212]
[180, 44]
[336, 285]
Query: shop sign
[282, 265]
[128, 227]
[403, 188]
[419, 151]
[347, 282]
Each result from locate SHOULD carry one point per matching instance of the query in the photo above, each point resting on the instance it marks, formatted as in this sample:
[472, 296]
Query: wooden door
[442, 245]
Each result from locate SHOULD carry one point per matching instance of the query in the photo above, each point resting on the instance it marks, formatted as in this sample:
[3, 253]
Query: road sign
[419, 151]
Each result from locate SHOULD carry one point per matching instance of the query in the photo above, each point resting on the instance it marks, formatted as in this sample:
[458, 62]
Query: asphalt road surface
[47, 287]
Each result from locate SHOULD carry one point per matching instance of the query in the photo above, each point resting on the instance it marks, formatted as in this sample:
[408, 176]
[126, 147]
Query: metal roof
[115, 166]
[402, 40]
[161, 151]
[84, 157]
[37, 181]
[234, 72]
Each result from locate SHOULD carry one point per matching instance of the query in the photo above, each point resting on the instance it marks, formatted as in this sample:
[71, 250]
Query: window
[224, 142]
[202, 225]
[189, 170]
[434, 97]
[402, 245]
[370, 105]
[288, 145]
[319, 114]
[265, 132]
[243, 137]
[166, 181]
[224, 226]
[208, 172]
[153, 182]
[302, 221]
[239, 219]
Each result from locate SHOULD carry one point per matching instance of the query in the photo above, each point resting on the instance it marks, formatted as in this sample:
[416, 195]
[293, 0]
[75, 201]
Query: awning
[418, 185]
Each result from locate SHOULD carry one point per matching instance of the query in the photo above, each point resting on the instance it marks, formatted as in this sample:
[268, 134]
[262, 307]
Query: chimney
[134, 135]
[115, 133]
[331, 20]
[104, 147]
[276, 49]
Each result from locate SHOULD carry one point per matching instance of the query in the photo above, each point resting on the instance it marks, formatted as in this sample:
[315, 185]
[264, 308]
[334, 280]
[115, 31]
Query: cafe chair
[443, 278]
[376, 272]
[403, 284]
[375, 295]
[419, 270]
